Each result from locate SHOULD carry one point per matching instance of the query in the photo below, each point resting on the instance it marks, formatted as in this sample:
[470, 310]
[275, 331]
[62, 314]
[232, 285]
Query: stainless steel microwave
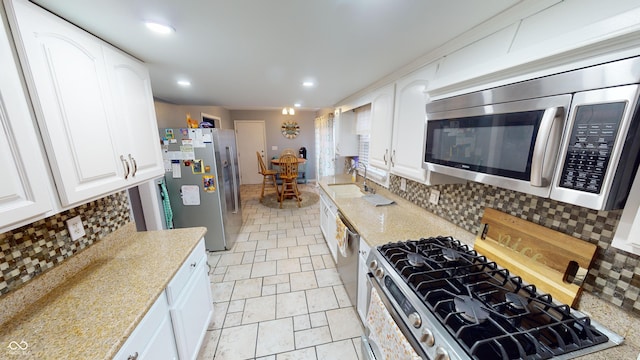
[573, 137]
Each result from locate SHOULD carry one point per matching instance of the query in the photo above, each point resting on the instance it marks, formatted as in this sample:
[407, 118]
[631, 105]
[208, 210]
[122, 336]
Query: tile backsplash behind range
[29, 250]
[615, 274]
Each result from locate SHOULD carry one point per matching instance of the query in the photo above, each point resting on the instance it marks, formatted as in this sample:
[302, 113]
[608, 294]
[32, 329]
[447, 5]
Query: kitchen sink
[346, 190]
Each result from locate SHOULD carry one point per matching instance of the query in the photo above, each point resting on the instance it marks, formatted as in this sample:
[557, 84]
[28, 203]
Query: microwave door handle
[539, 150]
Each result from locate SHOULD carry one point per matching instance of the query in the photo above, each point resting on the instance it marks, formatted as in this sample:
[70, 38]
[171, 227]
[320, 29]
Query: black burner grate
[515, 322]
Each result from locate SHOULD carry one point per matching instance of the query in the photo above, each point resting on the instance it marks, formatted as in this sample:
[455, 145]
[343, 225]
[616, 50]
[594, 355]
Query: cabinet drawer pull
[133, 357]
[193, 265]
[134, 164]
[125, 166]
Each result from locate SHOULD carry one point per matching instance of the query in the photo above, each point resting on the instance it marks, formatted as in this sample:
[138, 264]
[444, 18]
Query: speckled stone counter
[87, 307]
[405, 220]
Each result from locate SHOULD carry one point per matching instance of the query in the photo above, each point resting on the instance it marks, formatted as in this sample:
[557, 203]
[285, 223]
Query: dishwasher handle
[351, 232]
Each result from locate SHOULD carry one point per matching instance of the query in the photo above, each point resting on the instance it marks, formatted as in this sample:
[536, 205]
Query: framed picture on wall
[210, 121]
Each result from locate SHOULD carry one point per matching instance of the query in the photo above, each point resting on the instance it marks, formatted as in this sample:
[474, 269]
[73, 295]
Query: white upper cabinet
[92, 149]
[409, 124]
[137, 133]
[381, 126]
[24, 184]
[345, 135]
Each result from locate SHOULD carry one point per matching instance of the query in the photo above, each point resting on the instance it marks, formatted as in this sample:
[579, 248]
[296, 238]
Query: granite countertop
[404, 220]
[94, 300]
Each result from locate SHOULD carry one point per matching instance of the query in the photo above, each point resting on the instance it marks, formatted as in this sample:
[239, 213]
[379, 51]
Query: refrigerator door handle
[235, 184]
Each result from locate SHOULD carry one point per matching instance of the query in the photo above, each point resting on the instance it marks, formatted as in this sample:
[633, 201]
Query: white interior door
[250, 137]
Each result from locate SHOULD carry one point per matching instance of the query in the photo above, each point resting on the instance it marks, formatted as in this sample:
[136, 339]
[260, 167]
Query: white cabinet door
[362, 300]
[192, 313]
[24, 184]
[137, 130]
[381, 127]
[409, 125]
[65, 71]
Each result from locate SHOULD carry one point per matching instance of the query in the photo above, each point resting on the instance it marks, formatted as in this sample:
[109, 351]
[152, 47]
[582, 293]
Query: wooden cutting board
[554, 262]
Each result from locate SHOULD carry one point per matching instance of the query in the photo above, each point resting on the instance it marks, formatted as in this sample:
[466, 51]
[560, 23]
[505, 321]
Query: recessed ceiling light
[184, 83]
[296, 105]
[307, 84]
[159, 28]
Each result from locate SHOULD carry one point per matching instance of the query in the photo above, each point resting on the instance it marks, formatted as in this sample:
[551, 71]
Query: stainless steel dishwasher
[348, 262]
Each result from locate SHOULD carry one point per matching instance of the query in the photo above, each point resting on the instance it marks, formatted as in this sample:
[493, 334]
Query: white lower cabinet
[328, 214]
[153, 337]
[176, 324]
[362, 300]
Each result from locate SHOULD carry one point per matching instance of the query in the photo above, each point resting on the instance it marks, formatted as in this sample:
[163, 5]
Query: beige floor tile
[328, 261]
[232, 319]
[342, 350]
[287, 266]
[283, 288]
[291, 304]
[230, 259]
[259, 309]
[306, 267]
[344, 323]
[259, 235]
[249, 288]
[298, 251]
[312, 337]
[277, 254]
[357, 343]
[269, 290]
[306, 240]
[249, 257]
[236, 306]
[268, 227]
[277, 279]
[287, 242]
[341, 295]
[328, 277]
[318, 249]
[318, 319]
[321, 299]
[238, 272]
[267, 268]
[237, 343]
[302, 354]
[317, 262]
[222, 291]
[266, 244]
[245, 246]
[275, 336]
[209, 345]
[270, 357]
[303, 280]
[294, 233]
[219, 313]
[301, 322]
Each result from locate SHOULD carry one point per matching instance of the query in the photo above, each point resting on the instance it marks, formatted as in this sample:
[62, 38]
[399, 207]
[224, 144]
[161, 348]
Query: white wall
[172, 115]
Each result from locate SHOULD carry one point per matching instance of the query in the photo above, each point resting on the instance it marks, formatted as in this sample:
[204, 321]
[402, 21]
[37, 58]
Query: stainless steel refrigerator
[201, 175]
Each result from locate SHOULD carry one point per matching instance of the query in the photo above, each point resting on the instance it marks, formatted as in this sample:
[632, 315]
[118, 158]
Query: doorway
[250, 137]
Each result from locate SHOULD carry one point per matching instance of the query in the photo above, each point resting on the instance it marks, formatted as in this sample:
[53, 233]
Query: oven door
[512, 145]
[386, 335]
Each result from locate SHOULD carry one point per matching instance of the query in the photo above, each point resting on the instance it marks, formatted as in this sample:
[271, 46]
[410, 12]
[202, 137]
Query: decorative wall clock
[290, 129]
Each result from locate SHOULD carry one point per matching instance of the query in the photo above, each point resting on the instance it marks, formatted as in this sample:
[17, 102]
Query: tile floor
[277, 294]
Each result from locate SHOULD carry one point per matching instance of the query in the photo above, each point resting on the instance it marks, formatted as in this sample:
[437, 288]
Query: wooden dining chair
[268, 176]
[289, 176]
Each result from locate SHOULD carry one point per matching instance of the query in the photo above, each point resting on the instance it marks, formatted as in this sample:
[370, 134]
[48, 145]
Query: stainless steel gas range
[450, 302]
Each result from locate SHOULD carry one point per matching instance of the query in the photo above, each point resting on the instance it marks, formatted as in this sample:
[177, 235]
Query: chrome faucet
[353, 168]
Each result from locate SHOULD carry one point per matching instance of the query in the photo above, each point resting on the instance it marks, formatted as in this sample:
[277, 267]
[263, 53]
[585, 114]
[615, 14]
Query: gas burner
[471, 309]
[450, 254]
[416, 259]
[516, 301]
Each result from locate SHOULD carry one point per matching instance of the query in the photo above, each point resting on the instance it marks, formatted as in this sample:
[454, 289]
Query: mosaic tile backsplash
[614, 275]
[28, 251]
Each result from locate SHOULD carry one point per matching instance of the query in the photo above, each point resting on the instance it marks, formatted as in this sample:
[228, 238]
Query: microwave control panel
[592, 140]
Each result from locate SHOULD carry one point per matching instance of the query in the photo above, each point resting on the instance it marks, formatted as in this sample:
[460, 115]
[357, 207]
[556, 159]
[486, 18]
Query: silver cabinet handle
[125, 165]
[133, 357]
[384, 157]
[393, 155]
[135, 165]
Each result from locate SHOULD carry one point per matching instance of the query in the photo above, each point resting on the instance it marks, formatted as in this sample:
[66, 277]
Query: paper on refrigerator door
[190, 195]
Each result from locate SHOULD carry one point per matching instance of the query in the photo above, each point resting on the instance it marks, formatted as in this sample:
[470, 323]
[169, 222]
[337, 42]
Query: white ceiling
[254, 54]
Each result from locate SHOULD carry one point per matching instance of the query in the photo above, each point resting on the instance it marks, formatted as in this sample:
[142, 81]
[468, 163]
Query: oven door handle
[542, 148]
[370, 350]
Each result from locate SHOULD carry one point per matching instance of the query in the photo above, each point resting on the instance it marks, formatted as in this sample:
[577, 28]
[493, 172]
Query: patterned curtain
[325, 147]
